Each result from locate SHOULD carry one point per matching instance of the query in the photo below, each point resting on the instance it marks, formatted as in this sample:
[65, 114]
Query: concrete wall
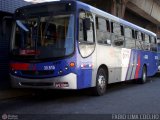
[140, 21]
[148, 9]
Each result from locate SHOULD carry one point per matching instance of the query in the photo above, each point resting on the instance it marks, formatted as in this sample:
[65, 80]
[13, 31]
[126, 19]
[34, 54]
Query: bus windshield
[44, 37]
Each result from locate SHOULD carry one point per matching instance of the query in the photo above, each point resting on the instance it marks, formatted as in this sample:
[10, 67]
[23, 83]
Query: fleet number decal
[52, 67]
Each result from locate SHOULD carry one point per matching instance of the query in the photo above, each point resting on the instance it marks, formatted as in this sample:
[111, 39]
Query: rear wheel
[144, 75]
[101, 83]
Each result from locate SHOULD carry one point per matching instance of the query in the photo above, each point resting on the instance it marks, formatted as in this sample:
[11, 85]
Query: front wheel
[101, 83]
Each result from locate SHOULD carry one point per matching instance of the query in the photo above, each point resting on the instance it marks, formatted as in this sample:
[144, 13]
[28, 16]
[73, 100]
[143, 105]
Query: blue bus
[158, 52]
[72, 45]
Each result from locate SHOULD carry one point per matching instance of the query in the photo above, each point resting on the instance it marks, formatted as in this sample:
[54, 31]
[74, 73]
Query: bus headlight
[60, 72]
[15, 72]
[66, 68]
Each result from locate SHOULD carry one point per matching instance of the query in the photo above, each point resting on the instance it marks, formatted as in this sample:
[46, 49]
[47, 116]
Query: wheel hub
[101, 82]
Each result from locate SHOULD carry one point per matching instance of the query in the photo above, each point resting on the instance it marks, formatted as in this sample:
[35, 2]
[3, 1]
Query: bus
[158, 52]
[72, 45]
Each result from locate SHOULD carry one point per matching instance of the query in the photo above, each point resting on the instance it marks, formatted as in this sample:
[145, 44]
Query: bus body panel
[86, 68]
[22, 72]
[68, 81]
[111, 57]
[126, 64]
[139, 59]
[57, 72]
[50, 69]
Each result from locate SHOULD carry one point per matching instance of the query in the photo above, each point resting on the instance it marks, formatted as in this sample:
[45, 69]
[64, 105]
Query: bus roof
[112, 17]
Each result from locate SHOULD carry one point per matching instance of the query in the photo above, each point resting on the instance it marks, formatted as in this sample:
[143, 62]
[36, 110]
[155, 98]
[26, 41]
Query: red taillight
[19, 66]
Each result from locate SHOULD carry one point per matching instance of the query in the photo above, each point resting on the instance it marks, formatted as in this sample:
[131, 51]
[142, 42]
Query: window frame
[131, 38]
[112, 22]
[108, 28]
[93, 28]
[86, 42]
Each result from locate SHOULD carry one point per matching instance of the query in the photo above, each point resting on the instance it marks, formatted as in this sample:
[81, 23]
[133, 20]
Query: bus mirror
[86, 24]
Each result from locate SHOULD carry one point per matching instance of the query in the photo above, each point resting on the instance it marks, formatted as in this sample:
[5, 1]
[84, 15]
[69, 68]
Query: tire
[101, 83]
[144, 75]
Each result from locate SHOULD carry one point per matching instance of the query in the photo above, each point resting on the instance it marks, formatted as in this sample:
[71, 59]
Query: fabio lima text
[135, 116]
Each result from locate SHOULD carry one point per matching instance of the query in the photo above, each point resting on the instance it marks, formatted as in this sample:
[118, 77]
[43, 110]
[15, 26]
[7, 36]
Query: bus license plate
[61, 84]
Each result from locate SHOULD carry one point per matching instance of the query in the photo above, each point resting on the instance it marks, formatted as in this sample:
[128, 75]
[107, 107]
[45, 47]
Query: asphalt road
[121, 98]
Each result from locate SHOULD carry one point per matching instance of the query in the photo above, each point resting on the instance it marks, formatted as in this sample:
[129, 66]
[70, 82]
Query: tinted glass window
[103, 34]
[129, 40]
[117, 34]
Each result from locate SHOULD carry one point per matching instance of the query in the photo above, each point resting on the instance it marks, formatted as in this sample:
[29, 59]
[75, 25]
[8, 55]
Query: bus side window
[135, 34]
[153, 44]
[139, 44]
[155, 40]
[146, 42]
[117, 34]
[129, 38]
[102, 30]
[108, 25]
[112, 27]
[143, 41]
[122, 30]
[142, 36]
[86, 34]
[81, 38]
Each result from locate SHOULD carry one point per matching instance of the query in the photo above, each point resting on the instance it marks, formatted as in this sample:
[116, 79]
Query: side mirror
[86, 24]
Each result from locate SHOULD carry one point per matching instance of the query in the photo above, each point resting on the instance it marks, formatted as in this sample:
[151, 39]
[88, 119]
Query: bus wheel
[144, 75]
[101, 83]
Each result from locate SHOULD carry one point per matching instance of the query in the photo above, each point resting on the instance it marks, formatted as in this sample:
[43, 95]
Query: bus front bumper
[62, 82]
